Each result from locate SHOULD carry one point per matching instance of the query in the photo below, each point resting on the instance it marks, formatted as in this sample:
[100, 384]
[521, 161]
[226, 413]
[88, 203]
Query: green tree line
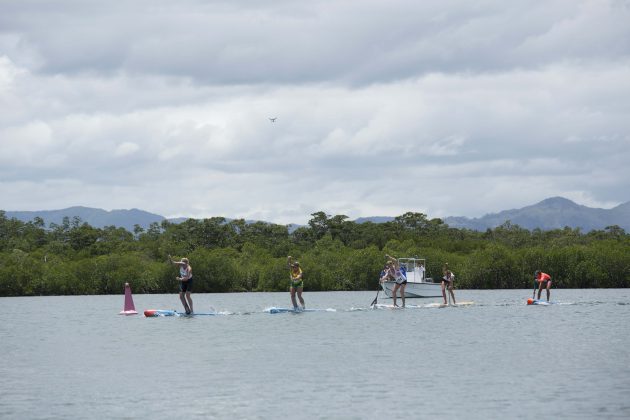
[335, 253]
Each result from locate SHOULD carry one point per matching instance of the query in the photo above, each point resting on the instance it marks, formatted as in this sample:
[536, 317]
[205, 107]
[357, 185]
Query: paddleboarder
[447, 282]
[297, 283]
[185, 283]
[400, 279]
[544, 281]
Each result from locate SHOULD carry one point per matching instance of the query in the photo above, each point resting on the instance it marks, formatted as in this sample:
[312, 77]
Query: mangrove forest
[74, 258]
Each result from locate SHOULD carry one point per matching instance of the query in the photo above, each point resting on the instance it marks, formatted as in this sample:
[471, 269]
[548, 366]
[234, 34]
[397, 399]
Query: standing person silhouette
[447, 282]
[544, 281]
[185, 283]
[399, 278]
[297, 283]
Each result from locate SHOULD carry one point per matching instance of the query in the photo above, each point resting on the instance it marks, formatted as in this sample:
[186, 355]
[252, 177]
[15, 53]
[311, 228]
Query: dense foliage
[335, 253]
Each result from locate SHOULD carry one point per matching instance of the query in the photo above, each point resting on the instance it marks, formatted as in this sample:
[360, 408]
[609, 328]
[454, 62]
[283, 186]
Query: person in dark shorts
[397, 275]
[185, 283]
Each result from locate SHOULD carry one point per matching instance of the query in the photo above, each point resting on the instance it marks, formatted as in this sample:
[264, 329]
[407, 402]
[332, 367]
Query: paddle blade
[374, 302]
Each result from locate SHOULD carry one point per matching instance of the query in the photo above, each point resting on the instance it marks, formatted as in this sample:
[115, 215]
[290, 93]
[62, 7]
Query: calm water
[74, 357]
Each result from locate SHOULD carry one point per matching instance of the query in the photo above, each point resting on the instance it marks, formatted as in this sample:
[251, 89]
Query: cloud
[320, 41]
[439, 107]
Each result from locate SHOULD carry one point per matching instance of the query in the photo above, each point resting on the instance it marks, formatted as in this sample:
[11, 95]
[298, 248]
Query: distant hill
[98, 218]
[552, 213]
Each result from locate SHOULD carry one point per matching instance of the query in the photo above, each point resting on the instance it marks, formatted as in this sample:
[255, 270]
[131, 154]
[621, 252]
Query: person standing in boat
[447, 283]
[297, 283]
[401, 281]
[544, 280]
[185, 283]
[420, 271]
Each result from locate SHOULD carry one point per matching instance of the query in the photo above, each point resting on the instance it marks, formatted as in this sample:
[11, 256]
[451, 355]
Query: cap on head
[185, 260]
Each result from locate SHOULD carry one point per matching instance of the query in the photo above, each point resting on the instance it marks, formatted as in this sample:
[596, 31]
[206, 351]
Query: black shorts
[186, 286]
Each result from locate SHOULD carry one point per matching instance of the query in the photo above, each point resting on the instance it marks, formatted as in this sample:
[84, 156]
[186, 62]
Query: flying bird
[273, 120]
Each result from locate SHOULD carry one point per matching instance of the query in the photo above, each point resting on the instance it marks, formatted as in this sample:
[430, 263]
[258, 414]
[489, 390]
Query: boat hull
[415, 289]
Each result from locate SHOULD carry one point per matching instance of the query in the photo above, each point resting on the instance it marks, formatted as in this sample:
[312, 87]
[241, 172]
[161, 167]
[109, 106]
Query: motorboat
[418, 285]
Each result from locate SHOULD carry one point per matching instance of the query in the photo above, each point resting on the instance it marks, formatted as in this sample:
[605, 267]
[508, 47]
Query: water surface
[74, 357]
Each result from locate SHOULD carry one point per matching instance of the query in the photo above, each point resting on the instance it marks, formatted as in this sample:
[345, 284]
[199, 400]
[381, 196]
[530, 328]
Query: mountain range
[552, 213]
[98, 218]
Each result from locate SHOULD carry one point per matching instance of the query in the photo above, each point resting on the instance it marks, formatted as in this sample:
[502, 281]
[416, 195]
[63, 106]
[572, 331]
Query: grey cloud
[439, 107]
[287, 42]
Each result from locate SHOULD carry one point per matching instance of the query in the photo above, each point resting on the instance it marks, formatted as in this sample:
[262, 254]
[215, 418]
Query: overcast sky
[449, 108]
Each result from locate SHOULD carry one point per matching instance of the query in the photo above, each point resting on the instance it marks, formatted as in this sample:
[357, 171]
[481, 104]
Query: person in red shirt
[544, 280]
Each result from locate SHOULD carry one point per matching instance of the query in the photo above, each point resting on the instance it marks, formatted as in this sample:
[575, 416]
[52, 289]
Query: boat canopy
[415, 269]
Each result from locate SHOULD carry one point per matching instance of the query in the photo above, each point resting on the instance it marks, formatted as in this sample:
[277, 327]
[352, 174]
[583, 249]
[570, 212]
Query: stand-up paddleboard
[197, 314]
[531, 301]
[159, 312]
[430, 305]
[275, 310]
[385, 306]
[445, 305]
[168, 312]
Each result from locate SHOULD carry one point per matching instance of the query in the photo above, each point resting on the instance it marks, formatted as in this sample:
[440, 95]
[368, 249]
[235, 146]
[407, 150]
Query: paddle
[376, 298]
[377, 291]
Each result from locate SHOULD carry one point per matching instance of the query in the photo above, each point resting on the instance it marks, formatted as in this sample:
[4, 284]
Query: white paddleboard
[275, 310]
[384, 306]
[444, 305]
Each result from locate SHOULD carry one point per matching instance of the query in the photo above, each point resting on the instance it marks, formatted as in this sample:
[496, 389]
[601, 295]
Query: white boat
[418, 285]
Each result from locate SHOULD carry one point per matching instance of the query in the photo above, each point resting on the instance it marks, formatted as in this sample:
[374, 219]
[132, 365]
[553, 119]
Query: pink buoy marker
[130, 308]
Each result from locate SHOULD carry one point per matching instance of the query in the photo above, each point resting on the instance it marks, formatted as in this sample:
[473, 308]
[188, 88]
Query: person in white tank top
[398, 277]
